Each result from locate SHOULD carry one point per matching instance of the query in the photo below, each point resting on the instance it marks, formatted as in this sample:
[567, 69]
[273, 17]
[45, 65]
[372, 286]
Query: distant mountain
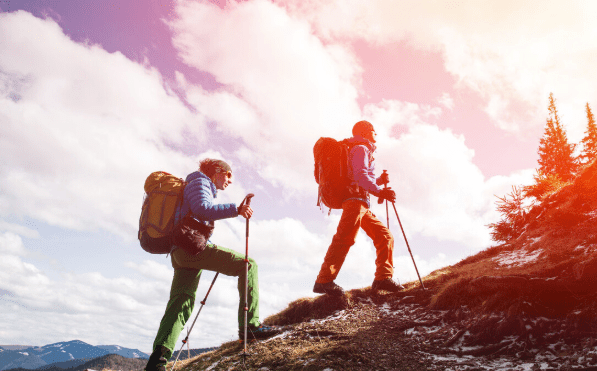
[66, 351]
[14, 358]
[125, 352]
[14, 347]
[62, 355]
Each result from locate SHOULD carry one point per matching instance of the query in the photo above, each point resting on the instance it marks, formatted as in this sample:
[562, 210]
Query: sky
[94, 96]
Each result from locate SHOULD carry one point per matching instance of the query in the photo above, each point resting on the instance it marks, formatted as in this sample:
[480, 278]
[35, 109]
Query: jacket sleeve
[200, 199]
[360, 170]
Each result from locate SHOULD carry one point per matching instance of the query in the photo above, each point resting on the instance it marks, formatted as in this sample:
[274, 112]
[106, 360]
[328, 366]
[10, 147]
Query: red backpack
[331, 171]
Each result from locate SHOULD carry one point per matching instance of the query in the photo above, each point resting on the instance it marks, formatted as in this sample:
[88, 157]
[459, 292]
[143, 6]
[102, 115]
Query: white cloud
[126, 309]
[19, 229]
[500, 186]
[81, 130]
[512, 53]
[283, 87]
[151, 269]
[405, 267]
[441, 188]
[438, 187]
[11, 244]
[446, 101]
[98, 309]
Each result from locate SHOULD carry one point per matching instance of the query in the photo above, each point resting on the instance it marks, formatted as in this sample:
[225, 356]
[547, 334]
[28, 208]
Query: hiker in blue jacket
[190, 255]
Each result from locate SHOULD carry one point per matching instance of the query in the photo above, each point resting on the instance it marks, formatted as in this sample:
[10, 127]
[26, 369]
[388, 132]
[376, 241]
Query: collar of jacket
[196, 175]
[360, 140]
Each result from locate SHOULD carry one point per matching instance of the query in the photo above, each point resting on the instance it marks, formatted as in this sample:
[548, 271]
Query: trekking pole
[246, 307]
[380, 200]
[197, 316]
[408, 246]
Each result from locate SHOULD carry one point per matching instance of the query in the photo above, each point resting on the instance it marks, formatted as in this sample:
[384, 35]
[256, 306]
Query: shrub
[514, 215]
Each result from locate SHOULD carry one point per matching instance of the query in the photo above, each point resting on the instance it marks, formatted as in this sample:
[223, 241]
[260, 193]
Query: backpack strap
[350, 144]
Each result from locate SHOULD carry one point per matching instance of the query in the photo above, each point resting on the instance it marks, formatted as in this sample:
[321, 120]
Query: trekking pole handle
[248, 198]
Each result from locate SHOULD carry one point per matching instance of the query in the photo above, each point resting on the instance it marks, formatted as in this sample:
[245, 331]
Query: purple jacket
[362, 167]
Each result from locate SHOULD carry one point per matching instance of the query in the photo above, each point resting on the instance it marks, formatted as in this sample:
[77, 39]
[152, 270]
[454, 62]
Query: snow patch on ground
[212, 366]
[535, 240]
[497, 364]
[281, 335]
[517, 258]
[337, 315]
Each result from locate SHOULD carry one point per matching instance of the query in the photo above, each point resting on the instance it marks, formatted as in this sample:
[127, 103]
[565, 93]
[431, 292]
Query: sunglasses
[228, 173]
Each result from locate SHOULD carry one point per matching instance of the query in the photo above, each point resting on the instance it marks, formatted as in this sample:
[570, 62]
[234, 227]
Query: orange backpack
[164, 194]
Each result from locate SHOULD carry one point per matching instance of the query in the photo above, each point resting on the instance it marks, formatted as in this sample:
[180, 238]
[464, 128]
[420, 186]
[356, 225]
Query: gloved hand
[384, 178]
[387, 194]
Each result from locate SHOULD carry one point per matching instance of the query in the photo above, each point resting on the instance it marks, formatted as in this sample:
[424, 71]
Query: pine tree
[514, 215]
[589, 142]
[555, 153]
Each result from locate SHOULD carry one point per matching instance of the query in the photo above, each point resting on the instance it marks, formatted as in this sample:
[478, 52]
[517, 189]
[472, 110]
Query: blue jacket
[198, 198]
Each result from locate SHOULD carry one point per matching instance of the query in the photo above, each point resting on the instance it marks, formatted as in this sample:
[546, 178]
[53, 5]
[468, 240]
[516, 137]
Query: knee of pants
[387, 239]
[342, 240]
[252, 264]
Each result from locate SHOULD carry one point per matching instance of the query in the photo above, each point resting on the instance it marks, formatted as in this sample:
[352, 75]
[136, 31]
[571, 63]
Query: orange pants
[354, 216]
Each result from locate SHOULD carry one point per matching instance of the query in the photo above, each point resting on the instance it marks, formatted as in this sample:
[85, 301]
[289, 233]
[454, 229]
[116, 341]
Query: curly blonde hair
[211, 166]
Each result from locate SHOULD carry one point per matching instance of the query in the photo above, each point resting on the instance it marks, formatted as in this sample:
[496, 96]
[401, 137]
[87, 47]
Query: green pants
[187, 271]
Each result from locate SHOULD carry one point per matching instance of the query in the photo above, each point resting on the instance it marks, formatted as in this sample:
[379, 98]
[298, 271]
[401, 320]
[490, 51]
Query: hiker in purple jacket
[198, 213]
[356, 215]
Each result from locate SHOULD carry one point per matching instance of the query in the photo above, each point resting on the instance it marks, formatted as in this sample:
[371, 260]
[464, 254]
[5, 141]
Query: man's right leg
[345, 237]
[178, 310]
[384, 247]
[231, 263]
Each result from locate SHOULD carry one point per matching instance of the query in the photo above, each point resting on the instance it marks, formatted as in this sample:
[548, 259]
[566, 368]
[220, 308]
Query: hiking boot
[329, 288]
[157, 360]
[387, 285]
[259, 332]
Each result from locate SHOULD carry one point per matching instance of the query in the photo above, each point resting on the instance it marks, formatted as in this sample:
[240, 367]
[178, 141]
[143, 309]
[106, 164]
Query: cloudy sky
[94, 96]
